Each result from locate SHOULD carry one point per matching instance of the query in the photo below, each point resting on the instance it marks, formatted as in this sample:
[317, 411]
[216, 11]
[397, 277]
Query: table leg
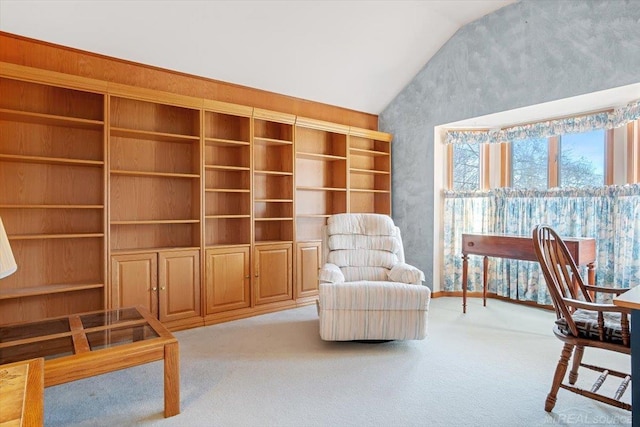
[485, 269]
[465, 265]
[171, 380]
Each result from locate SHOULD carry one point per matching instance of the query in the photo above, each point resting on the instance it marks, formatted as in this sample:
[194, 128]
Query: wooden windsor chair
[581, 322]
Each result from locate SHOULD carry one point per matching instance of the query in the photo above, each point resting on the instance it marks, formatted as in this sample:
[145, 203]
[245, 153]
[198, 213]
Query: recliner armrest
[330, 273]
[405, 273]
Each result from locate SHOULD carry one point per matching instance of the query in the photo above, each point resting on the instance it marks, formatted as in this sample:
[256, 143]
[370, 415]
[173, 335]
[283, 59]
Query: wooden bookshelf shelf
[271, 141]
[98, 207]
[302, 188]
[272, 172]
[55, 236]
[154, 174]
[34, 291]
[320, 157]
[219, 142]
[361, 152]
[369, 171]
[153, 136]
[156, 221]
[49, 119]
[49, 160]
[227, 168]
[227, 190]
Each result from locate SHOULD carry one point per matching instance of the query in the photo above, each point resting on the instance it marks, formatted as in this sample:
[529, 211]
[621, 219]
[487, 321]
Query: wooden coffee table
[89, 344]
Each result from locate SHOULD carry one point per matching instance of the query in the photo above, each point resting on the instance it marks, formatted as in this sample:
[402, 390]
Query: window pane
[582, 159]
[466, 166]
[529, 163]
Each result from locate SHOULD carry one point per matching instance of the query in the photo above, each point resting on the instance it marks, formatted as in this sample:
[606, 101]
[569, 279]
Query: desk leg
[465, 265]
[171, 380]
[591, 280]
[485, 269]
[591, 274]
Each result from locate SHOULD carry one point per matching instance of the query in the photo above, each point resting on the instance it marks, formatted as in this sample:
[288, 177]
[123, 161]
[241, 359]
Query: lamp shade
[7, 262]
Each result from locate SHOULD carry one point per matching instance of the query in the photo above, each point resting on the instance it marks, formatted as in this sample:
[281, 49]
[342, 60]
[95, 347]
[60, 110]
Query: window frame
[553, 166]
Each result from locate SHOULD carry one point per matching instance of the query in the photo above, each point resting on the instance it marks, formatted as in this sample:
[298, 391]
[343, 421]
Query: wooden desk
[583, 251]
[88, 344]
[22, 393]
[631, 299]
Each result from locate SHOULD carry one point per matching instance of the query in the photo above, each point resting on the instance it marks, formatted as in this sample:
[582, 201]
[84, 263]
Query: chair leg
[577, 360]
[561, 370]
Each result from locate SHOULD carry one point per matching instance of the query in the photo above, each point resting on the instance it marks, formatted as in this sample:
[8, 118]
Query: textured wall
[524, 54]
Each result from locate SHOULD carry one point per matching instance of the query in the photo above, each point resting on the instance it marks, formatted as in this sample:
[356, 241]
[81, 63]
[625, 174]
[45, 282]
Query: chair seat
[373, 295]
[587, 324]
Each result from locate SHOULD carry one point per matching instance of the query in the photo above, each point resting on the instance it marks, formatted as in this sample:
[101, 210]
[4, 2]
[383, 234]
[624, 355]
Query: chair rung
[622, 388]
[599, 381]
[599, 369]
[598, 397]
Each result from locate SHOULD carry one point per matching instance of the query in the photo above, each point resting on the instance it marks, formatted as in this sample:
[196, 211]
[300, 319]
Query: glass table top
[49, 349]
[114, 337]
[112, 317]
[55, 338]
[33, 330]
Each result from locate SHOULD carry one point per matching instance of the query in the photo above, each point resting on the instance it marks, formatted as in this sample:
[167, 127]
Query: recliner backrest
[364, 246]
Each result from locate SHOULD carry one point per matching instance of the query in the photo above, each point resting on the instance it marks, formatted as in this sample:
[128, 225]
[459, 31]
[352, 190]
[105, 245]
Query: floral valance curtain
[603, 120]
[609, 214]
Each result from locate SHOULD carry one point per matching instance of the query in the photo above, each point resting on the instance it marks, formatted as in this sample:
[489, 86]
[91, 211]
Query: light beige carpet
[490, 367]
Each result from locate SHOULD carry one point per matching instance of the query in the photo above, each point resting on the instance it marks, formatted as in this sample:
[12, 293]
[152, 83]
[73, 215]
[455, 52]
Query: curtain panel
[609, 214]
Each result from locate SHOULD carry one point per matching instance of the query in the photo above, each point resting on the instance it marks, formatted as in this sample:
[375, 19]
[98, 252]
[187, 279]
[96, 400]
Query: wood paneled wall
[48, 56]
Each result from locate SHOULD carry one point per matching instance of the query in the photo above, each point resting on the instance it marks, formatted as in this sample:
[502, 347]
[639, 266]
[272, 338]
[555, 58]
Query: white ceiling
[353, 54]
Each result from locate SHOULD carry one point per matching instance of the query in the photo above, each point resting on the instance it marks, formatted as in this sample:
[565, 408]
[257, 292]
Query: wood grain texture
[22, 393]
[171, 380]
[40, 54]
[133, 339]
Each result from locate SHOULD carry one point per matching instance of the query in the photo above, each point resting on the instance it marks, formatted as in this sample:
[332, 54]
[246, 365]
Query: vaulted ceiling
[353, 54]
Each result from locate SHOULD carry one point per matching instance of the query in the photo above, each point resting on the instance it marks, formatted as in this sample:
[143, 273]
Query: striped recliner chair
[367, 291]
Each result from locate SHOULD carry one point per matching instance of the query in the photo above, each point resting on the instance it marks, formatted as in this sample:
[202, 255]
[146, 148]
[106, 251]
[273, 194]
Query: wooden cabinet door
[308, 255]
[227, 279]
[179, 284]
[273, 273]
[134, 281]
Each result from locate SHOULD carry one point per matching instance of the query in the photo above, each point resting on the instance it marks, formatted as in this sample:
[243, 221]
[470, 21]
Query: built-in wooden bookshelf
[369, 171]
[52, 174]
[321, 175]
[227, 171]
[227, 206]
[200, 210]
[272, 176]
[154, 200]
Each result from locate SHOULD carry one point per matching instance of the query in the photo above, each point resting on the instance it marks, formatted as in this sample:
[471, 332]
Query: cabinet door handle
[247, 276]
[154, 289]
[163, 288]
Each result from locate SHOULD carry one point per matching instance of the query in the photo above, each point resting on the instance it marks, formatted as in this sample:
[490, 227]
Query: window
[466, 167]
[486, 159]
[572, 160]
[582, 159]
[530, 163]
